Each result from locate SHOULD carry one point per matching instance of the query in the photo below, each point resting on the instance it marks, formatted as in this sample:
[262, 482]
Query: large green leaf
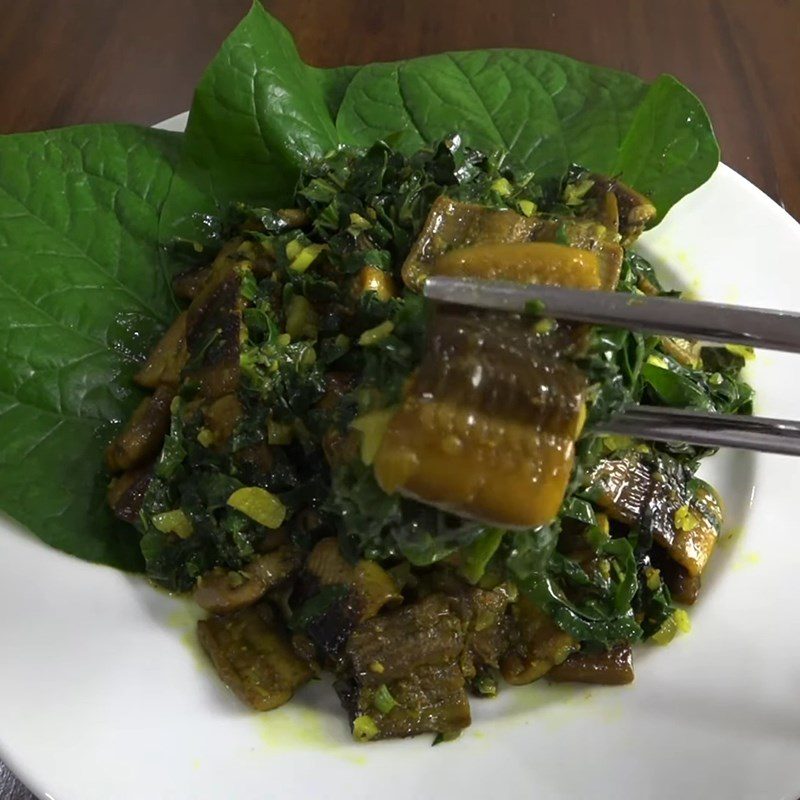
[260, 111]
[257, 114]
[547, 110]
[82, 293]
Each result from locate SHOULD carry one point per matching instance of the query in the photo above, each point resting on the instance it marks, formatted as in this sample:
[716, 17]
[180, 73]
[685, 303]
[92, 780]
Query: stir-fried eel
[213, 329]
[488, 423]
[126, 492]
[654, 492]
[683, 587]
[634, 211]
[254, 657]
[222, 592]
[188, 283]
[503, 241]
[333, 596]
[487, 626]
[537, 644]
[143, 436]
[547, 263]
[586, 234]
[347, 479]
[610, 667]
[372, 585]
[167, 359]
[413, 654]
[451, 225]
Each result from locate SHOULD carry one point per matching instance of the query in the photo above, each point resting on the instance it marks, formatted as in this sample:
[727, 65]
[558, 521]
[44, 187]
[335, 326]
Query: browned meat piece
[427, 633]
[410, 655]
[685, 518]
[683, 587]
[223, 592]
[636, 212]
[167, 359]
[345, 593]
[188, 284]
[537, 644]
[455, 227]
[623, 486]
[486, 623]
[143, 436]
[452, 224]
[545, 263]
[332, 596]
[488, 424]
[426, 700]
[213, 328]
[586, 235]
[126, 493]
[252, 653]
[484, 614]
[372, 586]
[610, 667]
[334, 615]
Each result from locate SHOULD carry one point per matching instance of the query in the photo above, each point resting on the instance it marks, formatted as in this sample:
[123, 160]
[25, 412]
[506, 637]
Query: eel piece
[254, 657]
[403, 674]
[683, 513]
[488, 423]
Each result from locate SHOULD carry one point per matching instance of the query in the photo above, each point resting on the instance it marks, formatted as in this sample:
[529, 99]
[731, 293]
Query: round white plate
[103, 693]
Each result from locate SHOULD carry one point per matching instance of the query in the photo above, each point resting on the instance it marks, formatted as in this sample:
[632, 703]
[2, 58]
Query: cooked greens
[300, 350]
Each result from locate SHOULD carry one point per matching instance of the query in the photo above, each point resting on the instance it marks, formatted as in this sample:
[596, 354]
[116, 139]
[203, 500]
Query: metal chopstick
[706, 429]
[709, 322]
[713, 322]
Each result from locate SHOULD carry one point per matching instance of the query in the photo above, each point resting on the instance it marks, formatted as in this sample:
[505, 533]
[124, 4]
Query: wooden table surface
[70, 61]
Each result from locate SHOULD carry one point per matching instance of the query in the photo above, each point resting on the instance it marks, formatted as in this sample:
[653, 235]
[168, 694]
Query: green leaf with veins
[548, 111]
[259, 111]
[82, 295]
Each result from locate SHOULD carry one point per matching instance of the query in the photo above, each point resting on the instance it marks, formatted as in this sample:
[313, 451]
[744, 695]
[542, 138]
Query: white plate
[103, 694]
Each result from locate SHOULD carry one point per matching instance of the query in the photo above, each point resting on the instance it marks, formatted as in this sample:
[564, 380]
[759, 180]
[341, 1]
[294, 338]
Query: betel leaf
[548, 111]
[259, 111]
[257, 114]
[82, 295]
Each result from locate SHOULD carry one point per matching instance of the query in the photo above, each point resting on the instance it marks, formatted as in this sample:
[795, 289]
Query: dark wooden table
[70, 61]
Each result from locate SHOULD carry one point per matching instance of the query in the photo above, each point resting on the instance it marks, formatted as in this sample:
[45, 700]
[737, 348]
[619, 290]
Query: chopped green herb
[383, 699]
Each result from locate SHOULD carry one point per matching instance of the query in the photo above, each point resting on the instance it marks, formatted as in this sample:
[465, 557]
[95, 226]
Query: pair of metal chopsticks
[708, 322]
